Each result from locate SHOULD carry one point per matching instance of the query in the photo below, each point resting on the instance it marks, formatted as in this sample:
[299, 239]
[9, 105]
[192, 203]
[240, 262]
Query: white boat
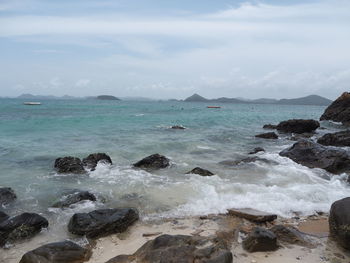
[32, 103]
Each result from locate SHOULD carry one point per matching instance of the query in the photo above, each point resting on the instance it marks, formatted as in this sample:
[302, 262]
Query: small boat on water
[32, 103]
[213, 107]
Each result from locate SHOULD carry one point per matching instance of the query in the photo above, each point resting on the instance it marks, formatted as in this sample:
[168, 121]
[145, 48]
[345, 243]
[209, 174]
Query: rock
[102, 222]
[75, 197]
[339, 110]
[314, 155]
[290, 235]
[270, 126]
[58, 252]
[154, 161]
[179, 249]
[246, 160]
[298, 126]
[20, 227]
[177, 127]
[267, 135]
[256, 150]
[260, 239]
[341, 138]
[93, 159]
[3, 216]
[200, 171]
[339, 222]
[7, 196]
[252, 215]
[69, 165]
[305, 135]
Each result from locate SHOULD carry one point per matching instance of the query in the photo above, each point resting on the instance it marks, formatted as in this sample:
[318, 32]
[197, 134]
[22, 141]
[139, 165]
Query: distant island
[107, 97]
[308, 100]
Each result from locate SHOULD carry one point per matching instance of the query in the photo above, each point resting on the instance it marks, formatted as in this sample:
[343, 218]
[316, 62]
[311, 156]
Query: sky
[171, 49]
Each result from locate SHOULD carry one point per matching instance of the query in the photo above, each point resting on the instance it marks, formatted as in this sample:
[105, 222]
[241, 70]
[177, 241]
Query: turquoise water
[32, 137]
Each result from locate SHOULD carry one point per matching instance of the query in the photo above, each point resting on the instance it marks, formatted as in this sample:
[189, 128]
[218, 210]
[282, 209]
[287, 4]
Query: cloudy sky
[171, 49]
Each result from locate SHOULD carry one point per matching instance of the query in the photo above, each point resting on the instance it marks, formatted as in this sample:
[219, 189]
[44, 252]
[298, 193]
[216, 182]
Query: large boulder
[93, 159]
[200, 171]
[69, 165]
[339, 222]
[341, 138]
[73, 198]
[260, 240]
[102, 222]
[314, 155]
[298, 126]
[154, 161]
[7, 196]
[58, 252]
[339, 110]
[179, 249]
[20, 227]
[267, 135]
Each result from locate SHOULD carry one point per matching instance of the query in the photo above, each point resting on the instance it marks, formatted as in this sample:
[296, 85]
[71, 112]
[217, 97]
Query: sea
[32, 137]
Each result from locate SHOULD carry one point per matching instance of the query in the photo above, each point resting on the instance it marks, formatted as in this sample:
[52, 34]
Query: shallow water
[32, 137]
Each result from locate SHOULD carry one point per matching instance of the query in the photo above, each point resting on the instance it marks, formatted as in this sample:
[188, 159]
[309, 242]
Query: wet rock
[177, 127]
[260, 239]
[246, 160]
[3, 216]
[341, 138]
[75, 197]
[179, 249]
[305, 135]
[298, 126]
[314, 155]
[20, 227]
[154, 161]
[256, 150]
[7, 196]
[69, 165]
[339, 222]
[267, 135]
[252, 215]
[270, 126]
[339, 110]
[290, 235]
[58, 252]
[200, 171]
[93, 159]
[102, 222]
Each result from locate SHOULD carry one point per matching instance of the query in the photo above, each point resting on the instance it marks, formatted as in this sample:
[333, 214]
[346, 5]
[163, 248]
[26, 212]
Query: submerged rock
[179, 249]
[260, 239]
[102, 222]
[267, 135]
[339, 110]
[339, 222]
[93, 159]
[341, 138]
[252, 214]
[74, 197]
[256, 150]
[178, 127]
[298, 126]
[314, 155]
[200, 171]
[246, 160]
[154, 161]
[7, 196]
[69, 165]
[58, 252]
[270, 126]
[20, 227]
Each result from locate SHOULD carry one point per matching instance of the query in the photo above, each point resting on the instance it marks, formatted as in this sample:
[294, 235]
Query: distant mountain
[308, 100]
[106, 97]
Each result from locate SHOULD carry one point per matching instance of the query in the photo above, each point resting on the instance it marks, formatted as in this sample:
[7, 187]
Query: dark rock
[298, 126]
[341, 138]
[7, 195]
[154, 161]
[93, 159]
[3, 216]
[256, 150]
[290, 235]
[267, 135]
[75, 197]
[260, 239]
[200, 171]
[339, 222]
[246, 160]
[20, 227]
[339, 110]
[270, 126]
[314, 155]
[58, 252]
[252, 215]
[69, 165]
[179, 249]
[102, 222]
[178, 127]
